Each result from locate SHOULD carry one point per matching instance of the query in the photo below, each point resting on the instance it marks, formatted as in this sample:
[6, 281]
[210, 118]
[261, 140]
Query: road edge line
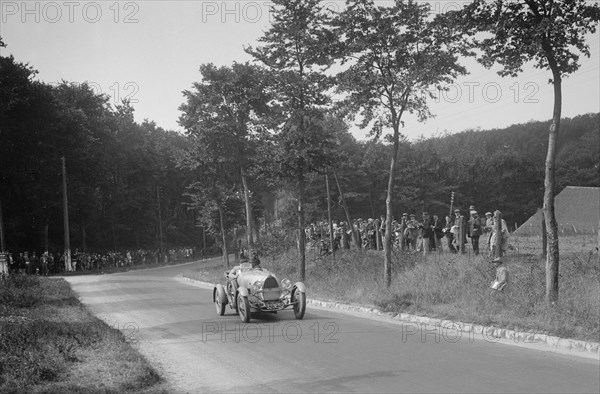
[492, 334]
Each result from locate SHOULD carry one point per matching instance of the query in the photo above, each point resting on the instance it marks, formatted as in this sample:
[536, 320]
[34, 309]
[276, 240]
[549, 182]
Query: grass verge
[454, 287]
[50, 343]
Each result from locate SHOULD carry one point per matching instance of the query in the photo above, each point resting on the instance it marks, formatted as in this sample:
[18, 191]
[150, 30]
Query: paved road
[176, 326]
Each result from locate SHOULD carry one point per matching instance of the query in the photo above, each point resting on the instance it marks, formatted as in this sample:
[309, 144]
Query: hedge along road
[177, 328]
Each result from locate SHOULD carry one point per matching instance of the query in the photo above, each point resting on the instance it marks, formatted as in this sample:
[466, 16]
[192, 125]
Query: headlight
[257, 286]
[286, 284]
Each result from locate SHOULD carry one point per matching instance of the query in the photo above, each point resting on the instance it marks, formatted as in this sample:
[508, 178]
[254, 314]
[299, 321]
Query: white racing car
[258, 290]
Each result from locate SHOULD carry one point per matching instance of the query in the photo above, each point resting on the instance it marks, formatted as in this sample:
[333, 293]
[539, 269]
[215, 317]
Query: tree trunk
[249, 220]
[544, 237]
[498, 231]
[552, 253]
[301, 225]
[387, 243]
[224, 238]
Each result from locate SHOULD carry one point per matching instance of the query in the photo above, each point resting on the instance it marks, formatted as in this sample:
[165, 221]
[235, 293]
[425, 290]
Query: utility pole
[159, 220]
[67, 254]
[331, 238]
[354, 235]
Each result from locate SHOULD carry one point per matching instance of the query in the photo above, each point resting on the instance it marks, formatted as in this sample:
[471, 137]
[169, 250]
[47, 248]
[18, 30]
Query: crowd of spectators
[429, 233]
[49, 263]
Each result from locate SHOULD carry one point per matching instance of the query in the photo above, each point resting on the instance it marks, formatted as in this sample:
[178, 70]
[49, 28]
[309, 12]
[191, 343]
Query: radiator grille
[271, 290]
[270, 283]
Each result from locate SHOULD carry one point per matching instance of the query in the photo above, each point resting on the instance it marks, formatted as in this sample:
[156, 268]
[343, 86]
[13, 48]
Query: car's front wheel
[219, 306]
[219, 296]
[243, 308]
[300, 305]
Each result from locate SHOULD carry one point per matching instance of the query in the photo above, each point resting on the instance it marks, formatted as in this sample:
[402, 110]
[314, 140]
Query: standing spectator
[475, 231]
[411, 233]
[75, 259]
[397, 233]
[358, 229]
[27, 263]
[51, 265]
[426, 232]
[449, 234]
[35, 264]
[438, 232]
[382, 229]
[12, 264]
[460, 236]
[44, 264]
[400, 235]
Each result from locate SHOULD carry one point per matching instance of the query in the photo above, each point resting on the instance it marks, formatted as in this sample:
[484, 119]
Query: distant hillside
[504, 168]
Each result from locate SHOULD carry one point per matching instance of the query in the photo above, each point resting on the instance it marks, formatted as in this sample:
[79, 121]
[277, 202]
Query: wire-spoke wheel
[300, 305]
[243, 308]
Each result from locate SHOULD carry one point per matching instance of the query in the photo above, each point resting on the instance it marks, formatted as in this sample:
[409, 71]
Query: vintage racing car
[258, 290]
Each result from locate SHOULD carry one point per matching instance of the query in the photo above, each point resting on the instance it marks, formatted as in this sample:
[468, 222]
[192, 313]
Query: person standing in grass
[28, 269]
[426, 232]
[411, 232]
[438, 232]
[449, 234]
[475, 231]
[44, 264]
[459, 236]
[400, 235]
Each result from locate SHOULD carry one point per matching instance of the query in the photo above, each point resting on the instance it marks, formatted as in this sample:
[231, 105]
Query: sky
[150, 51]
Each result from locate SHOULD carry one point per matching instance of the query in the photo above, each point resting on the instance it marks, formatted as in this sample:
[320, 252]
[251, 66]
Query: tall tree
[552, 35]
[395, 56]
[295, 49]
[229, 105]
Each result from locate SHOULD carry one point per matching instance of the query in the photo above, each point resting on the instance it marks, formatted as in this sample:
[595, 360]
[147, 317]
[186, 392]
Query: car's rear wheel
[300, 305]
[243, 308]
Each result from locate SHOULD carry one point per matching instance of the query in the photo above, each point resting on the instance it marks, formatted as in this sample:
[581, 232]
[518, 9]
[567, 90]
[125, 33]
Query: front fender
[220, 294]
[242, 291]
[300, 286]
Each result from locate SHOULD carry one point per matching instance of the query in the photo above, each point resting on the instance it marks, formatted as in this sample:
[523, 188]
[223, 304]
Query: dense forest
[128, 181]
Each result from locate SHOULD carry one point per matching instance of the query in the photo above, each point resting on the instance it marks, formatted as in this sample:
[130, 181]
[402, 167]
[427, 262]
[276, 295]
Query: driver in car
[235, 271]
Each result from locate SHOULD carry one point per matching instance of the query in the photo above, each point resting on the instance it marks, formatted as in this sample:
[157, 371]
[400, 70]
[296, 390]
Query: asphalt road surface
[176, 327]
